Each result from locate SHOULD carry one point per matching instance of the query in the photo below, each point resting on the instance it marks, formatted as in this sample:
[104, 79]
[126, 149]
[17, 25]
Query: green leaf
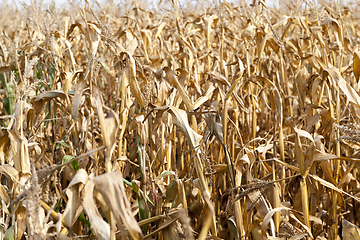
[51, 72]
[38, 71]
[141, 207]
[130, 185]
[63, 144]
[174, 203]
[10, 233]
[135, 188]
[165, 173]
[141, 162]
[74, 164]
[84, 220]
[11, 95]
[58, 205]
[6, 105]
[107, 69]
[127, 182]
[171, 191]
[67, 158]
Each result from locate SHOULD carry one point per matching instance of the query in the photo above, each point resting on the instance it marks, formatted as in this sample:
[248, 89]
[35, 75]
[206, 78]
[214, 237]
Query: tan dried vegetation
[203, 120]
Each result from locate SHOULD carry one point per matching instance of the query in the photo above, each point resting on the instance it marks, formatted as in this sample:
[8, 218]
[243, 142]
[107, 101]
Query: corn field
[180, 120]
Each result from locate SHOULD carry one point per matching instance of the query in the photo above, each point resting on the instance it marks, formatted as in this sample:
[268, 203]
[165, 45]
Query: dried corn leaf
[356, 62]
[350, 93]
[349, 230]
[74, 199]
[111, 188]
[332, 187]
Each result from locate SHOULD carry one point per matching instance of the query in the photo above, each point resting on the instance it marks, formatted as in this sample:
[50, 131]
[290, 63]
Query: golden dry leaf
[337, 29]
[71, 212]
[349, 230]
[19, 147]
[125, 94]
[111, 188]
[264, 209]
[269, 215]
[332, 187]
[78, 94]
[99, 226]
[109, 124]
[350, 93]
[132, 79]
[22, 222]
[356, 64]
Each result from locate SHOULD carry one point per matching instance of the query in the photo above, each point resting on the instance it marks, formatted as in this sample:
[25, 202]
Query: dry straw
[191, 120]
